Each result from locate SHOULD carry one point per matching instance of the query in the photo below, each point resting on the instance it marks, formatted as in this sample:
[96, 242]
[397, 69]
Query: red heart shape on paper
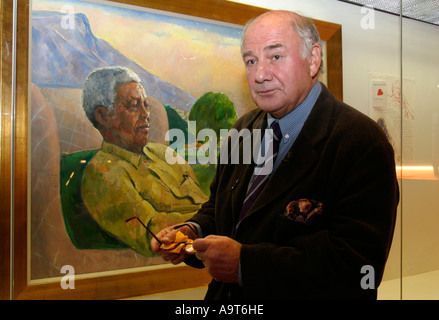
[380, 92]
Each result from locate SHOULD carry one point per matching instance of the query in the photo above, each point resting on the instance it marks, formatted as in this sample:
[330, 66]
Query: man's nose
[263, 72]
[145, 112]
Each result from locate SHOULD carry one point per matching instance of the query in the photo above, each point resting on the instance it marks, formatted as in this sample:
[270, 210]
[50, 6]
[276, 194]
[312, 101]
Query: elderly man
[129, 177]
[328, 208]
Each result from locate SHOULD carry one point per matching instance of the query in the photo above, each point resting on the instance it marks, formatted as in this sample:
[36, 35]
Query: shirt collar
[299, 114]
[122, 153]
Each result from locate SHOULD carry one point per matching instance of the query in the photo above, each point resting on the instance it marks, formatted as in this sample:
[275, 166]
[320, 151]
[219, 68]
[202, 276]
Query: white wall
[420, 56]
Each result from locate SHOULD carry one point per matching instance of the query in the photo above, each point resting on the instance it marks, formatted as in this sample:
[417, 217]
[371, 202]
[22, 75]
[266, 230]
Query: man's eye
[250, 62]
[276, 57]
[133, 106]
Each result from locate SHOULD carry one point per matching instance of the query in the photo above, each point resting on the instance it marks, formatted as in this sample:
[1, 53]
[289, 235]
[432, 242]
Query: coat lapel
[245, 171]
[302, 156]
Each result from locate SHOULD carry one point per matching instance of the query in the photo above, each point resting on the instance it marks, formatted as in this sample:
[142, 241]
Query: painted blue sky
[196, 56]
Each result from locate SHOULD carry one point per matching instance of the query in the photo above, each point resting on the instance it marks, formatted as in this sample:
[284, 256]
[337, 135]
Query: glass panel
[420, 129]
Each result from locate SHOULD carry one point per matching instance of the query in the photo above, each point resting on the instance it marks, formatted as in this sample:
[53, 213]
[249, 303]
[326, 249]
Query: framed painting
[186, 54]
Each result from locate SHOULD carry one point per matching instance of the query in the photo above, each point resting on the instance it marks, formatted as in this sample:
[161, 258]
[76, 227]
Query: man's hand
[220, 255]
[167, 236]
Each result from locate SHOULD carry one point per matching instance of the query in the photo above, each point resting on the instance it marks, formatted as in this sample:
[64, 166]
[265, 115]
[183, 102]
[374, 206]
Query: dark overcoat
[341, 159]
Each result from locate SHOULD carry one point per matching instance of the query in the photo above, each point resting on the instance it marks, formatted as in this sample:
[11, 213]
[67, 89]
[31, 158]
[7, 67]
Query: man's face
[279, 78]
[129, 117]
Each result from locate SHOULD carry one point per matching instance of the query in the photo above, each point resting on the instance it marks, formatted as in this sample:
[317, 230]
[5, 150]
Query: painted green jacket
[118, 184]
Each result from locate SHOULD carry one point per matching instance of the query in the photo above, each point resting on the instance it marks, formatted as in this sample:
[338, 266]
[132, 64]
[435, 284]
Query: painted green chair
[83, 230]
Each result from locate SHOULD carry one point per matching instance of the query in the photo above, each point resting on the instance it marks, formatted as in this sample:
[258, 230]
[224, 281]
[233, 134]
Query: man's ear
[101, 116]
[315, 60]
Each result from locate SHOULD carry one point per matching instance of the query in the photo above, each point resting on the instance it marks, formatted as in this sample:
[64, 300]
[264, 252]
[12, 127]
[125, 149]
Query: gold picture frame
[15, 169]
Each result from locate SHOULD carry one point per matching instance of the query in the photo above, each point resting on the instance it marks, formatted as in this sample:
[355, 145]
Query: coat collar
[302, 156]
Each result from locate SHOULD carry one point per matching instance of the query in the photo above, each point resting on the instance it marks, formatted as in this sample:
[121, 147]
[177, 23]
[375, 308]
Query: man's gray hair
[100, 88]
[305, 29]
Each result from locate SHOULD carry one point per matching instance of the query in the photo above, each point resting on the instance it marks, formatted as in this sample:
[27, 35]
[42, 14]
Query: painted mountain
[63, 57]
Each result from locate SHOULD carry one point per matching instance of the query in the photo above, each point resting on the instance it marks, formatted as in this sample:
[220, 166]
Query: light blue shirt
[293, 122]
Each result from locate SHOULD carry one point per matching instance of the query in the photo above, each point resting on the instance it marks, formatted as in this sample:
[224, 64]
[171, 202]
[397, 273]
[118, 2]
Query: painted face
[279, 78]
[130, 117]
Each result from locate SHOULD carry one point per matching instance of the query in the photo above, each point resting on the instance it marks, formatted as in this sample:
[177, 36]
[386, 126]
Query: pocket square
[303, 209]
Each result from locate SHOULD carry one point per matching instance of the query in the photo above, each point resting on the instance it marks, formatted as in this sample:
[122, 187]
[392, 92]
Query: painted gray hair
[100, 88]
[305, 29]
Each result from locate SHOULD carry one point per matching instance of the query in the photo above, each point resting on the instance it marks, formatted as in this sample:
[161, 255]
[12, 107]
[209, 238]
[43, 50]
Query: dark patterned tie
[259, 181]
